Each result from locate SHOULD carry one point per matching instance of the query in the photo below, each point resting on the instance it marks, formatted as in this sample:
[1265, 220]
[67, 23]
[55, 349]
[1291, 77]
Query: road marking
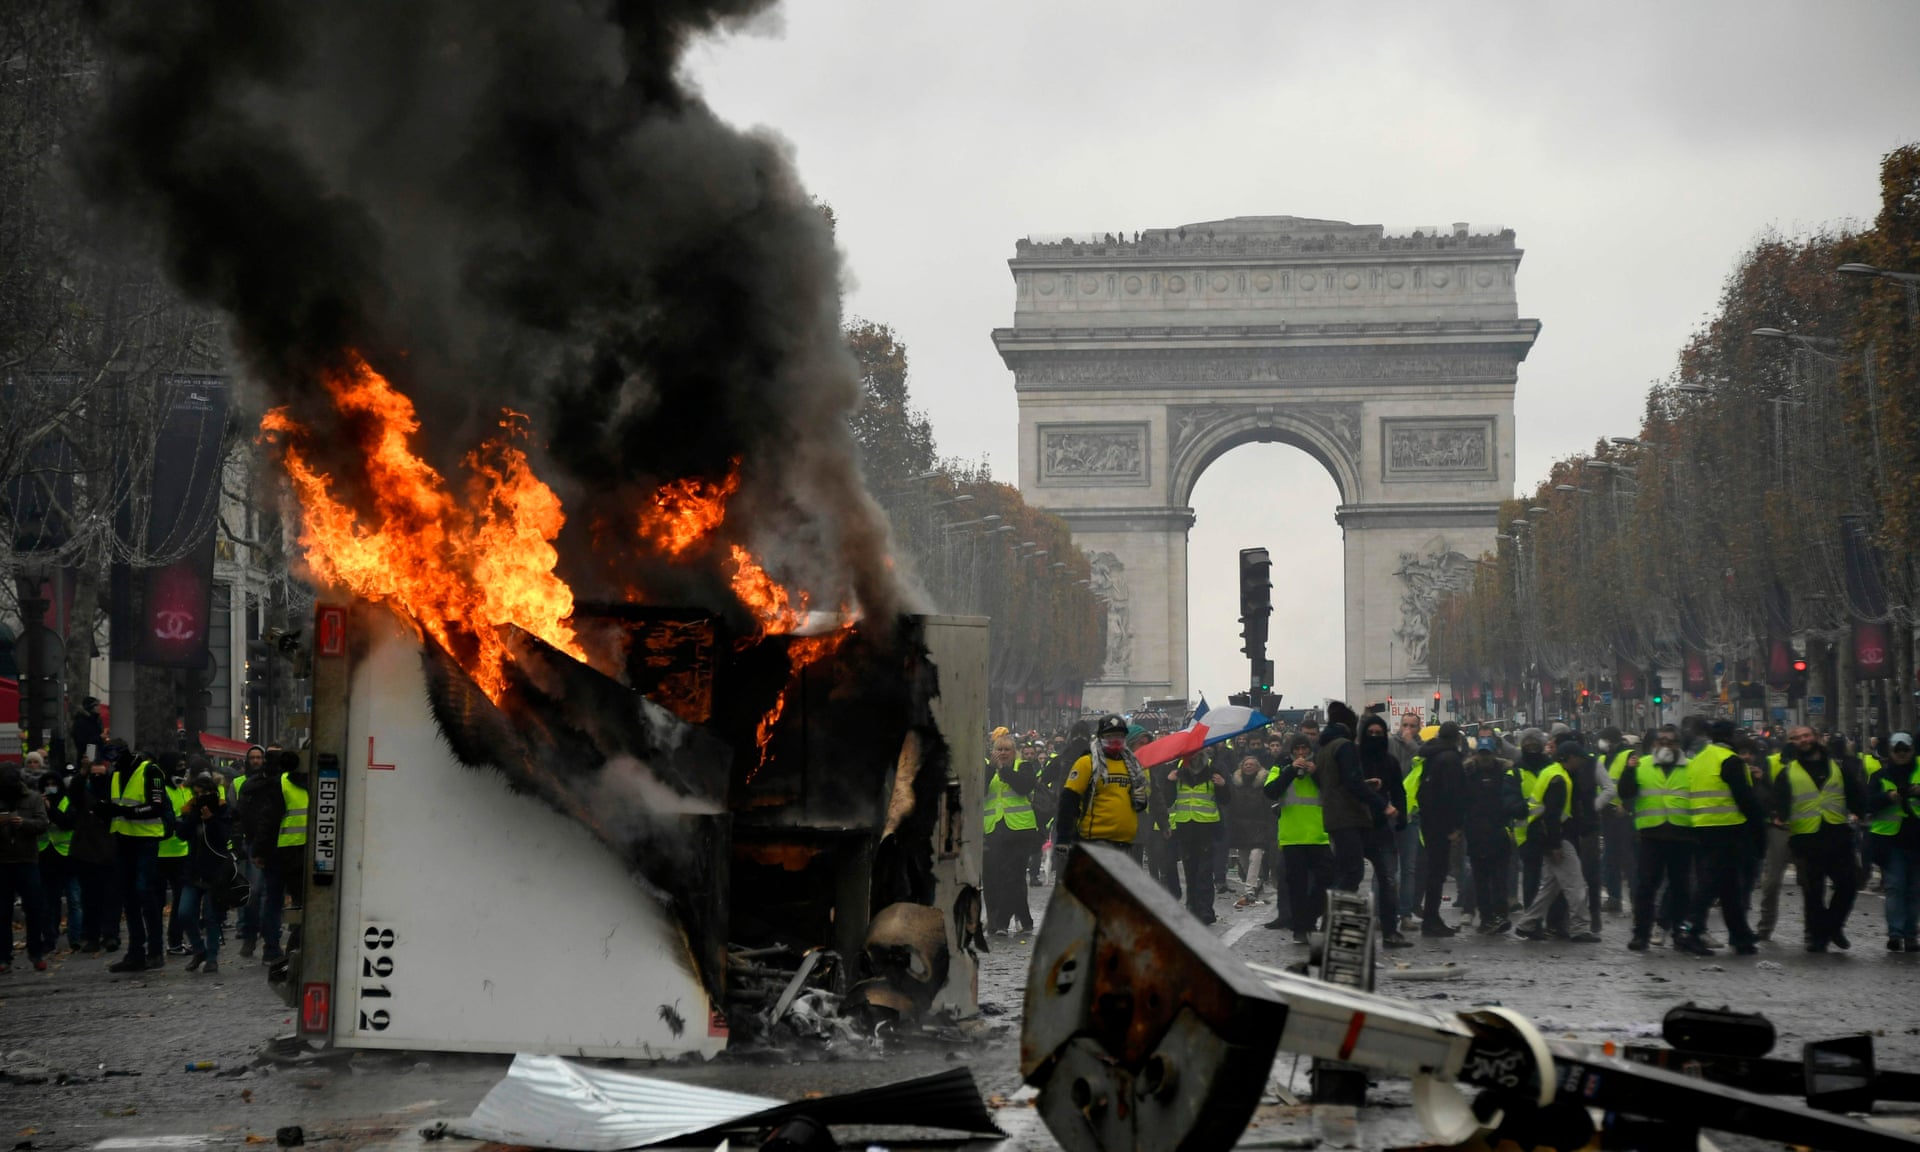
[137, 1143]
[1239, 931]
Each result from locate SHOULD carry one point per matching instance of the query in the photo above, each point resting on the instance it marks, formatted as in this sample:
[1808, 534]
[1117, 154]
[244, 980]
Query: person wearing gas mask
[1654, 792]
[23, 820]
[279, 846]
[1104, 793]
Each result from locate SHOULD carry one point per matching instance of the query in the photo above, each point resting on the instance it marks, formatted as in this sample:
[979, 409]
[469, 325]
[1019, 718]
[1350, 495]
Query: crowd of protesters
[1544, 832]
[159, 854]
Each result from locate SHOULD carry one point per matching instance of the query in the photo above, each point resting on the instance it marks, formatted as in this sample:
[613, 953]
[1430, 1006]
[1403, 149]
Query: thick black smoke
[509, 203]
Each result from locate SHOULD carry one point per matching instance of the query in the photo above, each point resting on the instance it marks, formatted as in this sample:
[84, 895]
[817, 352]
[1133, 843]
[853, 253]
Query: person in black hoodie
[1490, 803]
[211, 856]
[1442, 796]
[1362, 794]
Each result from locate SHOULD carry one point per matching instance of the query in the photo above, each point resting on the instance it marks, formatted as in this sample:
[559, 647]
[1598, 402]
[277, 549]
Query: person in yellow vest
[1550, 808]
[1012, 830]
[279, 847]
[173, 850]
[1527, 848]
[1655, 792]
[1814, 799]
[1105, 792]
[58, 880]
[1896, 839]
[1728, 823]
[1200, 797]
[142, 818]
[1306, 853]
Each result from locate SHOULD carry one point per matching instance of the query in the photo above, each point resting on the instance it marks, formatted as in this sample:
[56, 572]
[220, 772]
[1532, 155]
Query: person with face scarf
[1813, 798]
[1104, 793]
[23, 820]
[279, 846]
[1365, 800]
[1654, 792]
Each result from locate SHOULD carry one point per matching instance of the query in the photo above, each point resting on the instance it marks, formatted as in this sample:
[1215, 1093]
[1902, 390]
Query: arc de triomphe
[1391, 360]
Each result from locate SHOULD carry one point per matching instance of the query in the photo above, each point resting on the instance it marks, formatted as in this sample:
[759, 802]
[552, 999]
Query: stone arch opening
[1273, 495]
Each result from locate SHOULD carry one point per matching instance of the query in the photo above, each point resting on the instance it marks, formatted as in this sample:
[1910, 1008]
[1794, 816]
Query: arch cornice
[1199, 434]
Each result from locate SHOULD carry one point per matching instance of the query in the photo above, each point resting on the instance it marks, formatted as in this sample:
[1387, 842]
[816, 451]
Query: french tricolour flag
[1209, 726]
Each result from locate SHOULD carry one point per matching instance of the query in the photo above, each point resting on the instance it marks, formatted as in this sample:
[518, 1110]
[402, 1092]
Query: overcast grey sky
[1636, 149]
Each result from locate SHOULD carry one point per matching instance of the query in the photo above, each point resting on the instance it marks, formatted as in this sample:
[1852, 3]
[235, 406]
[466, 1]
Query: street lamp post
[1869, 272]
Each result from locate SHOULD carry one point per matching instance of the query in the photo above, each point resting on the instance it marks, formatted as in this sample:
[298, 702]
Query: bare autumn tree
[975, 546]
[90, 338]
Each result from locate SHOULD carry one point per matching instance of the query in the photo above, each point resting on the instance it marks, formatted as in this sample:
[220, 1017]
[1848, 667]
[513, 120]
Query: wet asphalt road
[110, 1051]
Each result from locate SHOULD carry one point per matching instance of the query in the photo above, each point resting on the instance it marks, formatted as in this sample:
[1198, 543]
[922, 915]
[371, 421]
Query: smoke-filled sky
[1635, 147]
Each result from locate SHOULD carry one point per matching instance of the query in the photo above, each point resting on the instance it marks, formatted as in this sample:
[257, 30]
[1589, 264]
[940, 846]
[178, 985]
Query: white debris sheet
[552, 1102]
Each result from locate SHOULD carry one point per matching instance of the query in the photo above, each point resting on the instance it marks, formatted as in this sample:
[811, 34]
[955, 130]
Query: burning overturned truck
[565, 870]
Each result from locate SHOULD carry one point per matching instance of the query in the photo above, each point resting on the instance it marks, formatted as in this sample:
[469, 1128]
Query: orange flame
[684, 513]
[456, 572]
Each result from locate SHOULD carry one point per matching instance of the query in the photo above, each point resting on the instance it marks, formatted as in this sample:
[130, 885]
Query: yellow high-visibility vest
[1537, 802]
[293, 823]
[1814, 805]
[125, 797]
[1662, 796]
[1004, 804]
[1708, 794]
[173, 847]
[1301, 820]
[1195, 804]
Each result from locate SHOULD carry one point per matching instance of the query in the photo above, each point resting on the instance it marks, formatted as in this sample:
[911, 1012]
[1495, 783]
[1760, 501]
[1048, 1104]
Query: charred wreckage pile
[551, 360]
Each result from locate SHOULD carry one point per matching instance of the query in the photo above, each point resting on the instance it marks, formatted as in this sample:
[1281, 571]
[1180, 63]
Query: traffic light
[1436, 705]
[1797, 684]
[259, 652]
[1656, 691]
[1256, 601]
[1263, 673]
